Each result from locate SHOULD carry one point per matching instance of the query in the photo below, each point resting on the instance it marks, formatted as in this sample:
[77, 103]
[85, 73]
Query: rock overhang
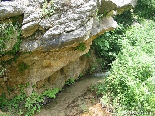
[52, 39]
[71, 21]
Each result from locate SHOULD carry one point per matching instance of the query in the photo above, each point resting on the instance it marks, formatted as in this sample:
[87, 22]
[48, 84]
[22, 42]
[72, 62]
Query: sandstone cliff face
[53, 32]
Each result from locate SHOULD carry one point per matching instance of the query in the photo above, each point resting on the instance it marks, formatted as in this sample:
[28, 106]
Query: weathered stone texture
[10, 9]
[52, 36]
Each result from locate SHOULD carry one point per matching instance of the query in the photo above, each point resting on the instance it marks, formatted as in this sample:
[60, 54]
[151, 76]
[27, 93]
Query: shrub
[131, 85]
[130, 88]
[145, 9]
[23, 105]
[107, 46]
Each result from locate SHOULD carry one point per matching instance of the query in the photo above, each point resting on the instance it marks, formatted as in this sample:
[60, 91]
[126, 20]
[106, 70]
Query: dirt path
[74, 100]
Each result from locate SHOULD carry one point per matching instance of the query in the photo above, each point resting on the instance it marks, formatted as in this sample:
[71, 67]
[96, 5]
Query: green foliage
[22, 67]
[107, 47]
[9, 43]
[70, 81]
[145, 9]
[48, 9]
[9, 33]
[99, 16]
[81, 47]
[125, 20]
[81, 75]
[3, 100]
[23, 105]
[50, 93]
[33, 104]
[130, 88]
[92, 69]
[88, 54]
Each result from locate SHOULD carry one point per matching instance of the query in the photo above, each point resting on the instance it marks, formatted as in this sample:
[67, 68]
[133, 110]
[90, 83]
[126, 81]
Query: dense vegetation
[9, 43]
[23, 105]
[130, 50]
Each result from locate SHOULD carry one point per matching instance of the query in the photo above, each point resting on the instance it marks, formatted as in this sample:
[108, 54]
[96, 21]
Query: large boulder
[55, 32]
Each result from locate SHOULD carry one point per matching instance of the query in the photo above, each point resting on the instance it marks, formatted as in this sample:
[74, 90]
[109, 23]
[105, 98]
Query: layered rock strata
[53, 32]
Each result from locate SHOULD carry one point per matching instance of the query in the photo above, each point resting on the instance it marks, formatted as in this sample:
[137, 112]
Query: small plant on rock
[10, 38]
[81, 47]
[48, 9]
[70, 81]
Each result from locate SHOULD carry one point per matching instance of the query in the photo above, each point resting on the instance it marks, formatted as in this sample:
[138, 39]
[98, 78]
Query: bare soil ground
[77, 100]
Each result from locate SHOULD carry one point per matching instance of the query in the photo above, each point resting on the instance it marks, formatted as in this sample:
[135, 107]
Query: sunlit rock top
[58, 23]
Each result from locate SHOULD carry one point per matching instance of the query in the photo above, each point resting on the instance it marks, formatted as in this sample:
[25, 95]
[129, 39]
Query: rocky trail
[77, 100]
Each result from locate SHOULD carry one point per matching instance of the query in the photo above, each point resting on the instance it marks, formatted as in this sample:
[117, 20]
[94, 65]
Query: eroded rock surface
[51, 31]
